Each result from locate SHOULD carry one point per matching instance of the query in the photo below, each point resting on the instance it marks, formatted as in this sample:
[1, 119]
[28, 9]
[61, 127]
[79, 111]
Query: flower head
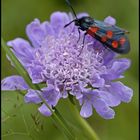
[53, 58]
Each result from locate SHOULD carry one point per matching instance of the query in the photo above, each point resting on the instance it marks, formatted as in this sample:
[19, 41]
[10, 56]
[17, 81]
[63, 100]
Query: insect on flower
[111, 36]
[51, 58]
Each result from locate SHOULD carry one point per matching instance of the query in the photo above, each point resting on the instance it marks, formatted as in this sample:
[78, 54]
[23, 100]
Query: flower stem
[86, 128]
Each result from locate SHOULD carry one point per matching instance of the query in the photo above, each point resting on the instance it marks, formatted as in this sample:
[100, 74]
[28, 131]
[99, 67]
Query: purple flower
[53, 58]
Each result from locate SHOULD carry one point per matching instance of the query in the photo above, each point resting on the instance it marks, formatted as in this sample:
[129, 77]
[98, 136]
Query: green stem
[86, 128]
[20, 69]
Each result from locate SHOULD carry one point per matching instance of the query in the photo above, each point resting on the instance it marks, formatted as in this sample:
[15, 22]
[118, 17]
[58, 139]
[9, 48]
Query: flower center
[63, 62]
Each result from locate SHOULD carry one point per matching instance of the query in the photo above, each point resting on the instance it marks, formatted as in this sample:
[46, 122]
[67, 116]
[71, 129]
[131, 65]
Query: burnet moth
[111, 36]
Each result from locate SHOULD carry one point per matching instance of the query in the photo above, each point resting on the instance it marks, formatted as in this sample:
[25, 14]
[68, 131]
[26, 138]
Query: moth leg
[84, 38]
[83, 43]
[79, 34]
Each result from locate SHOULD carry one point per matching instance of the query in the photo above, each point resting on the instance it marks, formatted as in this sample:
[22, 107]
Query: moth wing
[112, 36]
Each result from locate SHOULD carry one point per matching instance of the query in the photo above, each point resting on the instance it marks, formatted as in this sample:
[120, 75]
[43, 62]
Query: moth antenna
[69, 23]
[69, 4]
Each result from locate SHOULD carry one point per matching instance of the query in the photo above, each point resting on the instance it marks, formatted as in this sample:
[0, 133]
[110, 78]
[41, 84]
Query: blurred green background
[16, 116]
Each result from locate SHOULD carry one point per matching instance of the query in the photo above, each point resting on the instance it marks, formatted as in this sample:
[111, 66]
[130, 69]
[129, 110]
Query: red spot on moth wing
[115, 44]
[104, 38]
[122, 40]
[90, 33]
[109, 34]
[94, 29]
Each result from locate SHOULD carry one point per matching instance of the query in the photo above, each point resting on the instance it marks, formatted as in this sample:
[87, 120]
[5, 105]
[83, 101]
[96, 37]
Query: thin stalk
[86, 128]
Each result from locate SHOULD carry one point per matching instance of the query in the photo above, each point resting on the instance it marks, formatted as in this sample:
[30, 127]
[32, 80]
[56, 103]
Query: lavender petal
[32, 97]
[35, 73]
[117, 69]
[36, 32]
[97, 81]
[14, 83]
[58, 21]
[22, 50]
[110, 98]
[86, 110]
[51, 95]
[103, 109]
[43, 109]
[110, 20]
[125, 93]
